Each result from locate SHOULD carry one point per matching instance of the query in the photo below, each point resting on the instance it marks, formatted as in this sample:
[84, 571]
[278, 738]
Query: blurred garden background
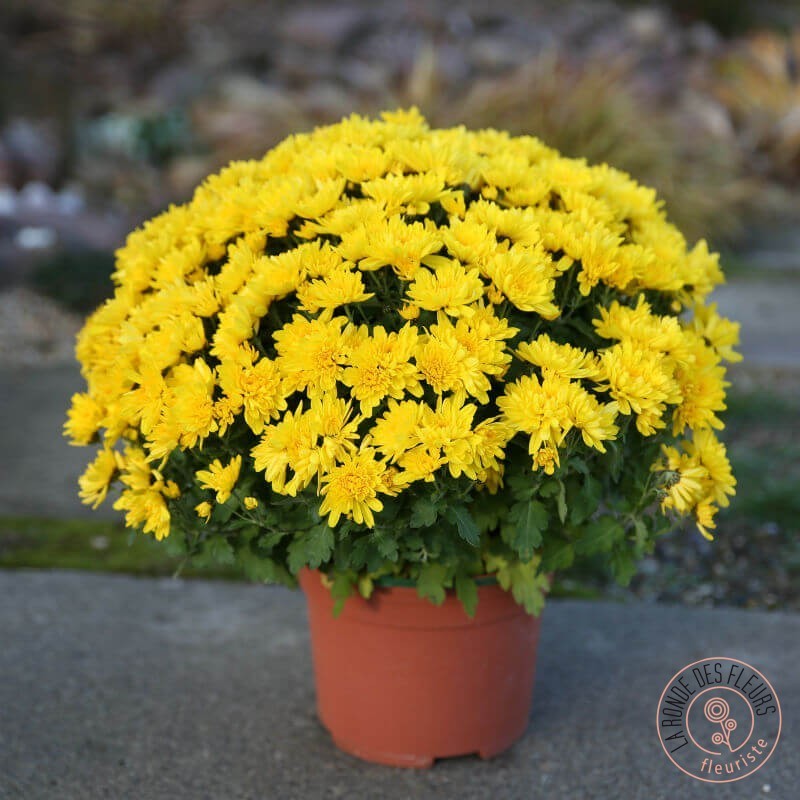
[111, 111]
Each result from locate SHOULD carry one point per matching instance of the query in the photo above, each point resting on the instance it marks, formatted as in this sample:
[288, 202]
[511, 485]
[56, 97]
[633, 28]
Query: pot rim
[390, 581]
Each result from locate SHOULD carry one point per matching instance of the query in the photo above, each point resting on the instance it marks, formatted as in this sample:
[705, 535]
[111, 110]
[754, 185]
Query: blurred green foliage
[79, 280]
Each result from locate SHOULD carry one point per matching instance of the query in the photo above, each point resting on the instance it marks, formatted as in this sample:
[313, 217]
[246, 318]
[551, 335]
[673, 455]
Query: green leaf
[600, 535]
[311, 548]
[431, 583]
[467, 593]
[386, 544]
[528, 584]
[175, 546]
[342, 589]
[523, 485]
[487, 512]
[641, 534]
[219, 551]
[623, 565]
[424, 513]
[268, 540]
[561, 502]
[550, 488]
[467, 529]
[263, 570]
[222, 513]
[523, 531]
[584, 498]
[557, 554]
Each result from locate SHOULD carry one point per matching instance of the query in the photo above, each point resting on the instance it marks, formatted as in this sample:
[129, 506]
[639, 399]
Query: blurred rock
[364, 76]
[35, 238]
[324, 100]
[328, 28]
[176, 84]
[498, 53]
[34, 330]
[185, 173]
[33, 150]
[243, 117]
[8, 201]
[649, 26]
[6, 172]
[36, 196]
[703, 39]
[706, 116]
[396, 47]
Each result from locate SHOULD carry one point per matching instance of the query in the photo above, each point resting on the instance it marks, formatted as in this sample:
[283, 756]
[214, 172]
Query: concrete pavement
[115, 687]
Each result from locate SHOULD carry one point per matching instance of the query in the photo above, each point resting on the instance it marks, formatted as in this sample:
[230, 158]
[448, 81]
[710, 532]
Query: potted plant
[418, 370]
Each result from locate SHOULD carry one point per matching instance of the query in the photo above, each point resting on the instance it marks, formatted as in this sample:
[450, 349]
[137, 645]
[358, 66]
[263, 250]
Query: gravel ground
[35, 331]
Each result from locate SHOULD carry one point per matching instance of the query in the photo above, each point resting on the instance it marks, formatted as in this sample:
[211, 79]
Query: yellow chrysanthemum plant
[398, 354]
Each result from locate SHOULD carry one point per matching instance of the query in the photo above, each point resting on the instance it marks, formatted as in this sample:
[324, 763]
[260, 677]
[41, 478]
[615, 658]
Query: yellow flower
[470, 242]
[640, 380]
[145, 403]
[288, 444]
[312, 353]
[255, 384]
[97, 478]
[702, 395]
[83, 419]
[460, 358]
[711, 454]
[225, 411]
[541, 409]
[685, 488]
[546, 458]
[525, 276]
[409, 312]
[380, 366]
[593, 419]
[490, 437]
[560, 359]
[704, 512]
[146, 510]
[396, 431]
[700, 271]
[598, 250]
[421, 463]
[448, 430]
[403, 247]
[220, 479]
[409, 194]
[329, 420]
[203, 510]
[639, 326]
[351, 489]
[189, 408]
[720, 333]
[443, 364]
[491, 479]
[250, 503]
[339, 287]
[450, 288]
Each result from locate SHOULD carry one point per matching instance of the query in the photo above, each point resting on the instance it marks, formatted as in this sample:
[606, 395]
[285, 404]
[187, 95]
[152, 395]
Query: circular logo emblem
[719, 720]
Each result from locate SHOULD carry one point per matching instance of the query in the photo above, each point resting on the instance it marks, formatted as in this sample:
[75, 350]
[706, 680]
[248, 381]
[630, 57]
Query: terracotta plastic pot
[403, 682]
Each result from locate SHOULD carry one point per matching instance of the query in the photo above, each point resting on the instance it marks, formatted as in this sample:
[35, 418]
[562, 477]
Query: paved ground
[39, 469]
[114, 687]
[768, 312]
